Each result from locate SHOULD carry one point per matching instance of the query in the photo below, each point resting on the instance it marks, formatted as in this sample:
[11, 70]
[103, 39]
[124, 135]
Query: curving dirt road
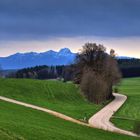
[101, 119]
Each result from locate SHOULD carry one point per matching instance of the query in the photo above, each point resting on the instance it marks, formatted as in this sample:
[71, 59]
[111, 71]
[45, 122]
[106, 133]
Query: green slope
[21, 123]
[131, 109]
[55, 95]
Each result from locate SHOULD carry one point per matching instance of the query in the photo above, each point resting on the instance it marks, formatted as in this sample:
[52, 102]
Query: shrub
[116, 90]
[136, 128]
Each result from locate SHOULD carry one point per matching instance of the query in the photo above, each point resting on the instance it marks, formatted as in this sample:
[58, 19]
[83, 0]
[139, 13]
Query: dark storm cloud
[43, 18]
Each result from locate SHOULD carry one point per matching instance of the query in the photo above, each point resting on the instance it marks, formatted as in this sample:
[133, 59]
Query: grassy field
[131, 109]
[17, 122]
[55, 95]
[21, 123]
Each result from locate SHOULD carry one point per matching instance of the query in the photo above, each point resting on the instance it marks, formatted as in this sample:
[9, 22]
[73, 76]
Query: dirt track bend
[99, 120]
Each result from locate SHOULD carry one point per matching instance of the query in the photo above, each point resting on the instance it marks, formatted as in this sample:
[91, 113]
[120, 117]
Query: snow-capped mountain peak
[65, 51]
[22, 60]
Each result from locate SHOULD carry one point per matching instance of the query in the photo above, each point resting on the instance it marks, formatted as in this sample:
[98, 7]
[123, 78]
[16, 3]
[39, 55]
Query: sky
[41, 25]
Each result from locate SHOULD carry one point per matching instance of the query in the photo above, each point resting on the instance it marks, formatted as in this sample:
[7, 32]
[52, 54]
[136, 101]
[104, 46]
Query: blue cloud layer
[32, 19]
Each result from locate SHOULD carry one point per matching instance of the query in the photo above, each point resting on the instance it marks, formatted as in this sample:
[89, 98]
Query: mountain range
[23, 60]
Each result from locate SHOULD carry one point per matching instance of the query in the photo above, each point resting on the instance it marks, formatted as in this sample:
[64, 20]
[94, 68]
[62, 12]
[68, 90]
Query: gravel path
[101, 119]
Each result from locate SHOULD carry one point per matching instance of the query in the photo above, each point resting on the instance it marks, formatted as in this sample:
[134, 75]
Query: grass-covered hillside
[130, 112]
[21, 123]
[55, 95]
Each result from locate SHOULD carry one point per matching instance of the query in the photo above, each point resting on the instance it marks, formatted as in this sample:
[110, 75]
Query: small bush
[136, 128]
[116, 90]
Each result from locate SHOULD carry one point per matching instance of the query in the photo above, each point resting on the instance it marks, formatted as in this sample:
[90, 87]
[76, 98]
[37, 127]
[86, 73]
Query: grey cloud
[43, 18]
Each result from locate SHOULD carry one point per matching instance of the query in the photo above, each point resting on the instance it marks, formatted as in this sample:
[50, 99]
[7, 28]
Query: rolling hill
[21, 123]
[58, 96]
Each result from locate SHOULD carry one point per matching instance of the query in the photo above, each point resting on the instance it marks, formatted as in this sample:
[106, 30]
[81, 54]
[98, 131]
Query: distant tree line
[128, 68]
[44, 72]
[129, 63]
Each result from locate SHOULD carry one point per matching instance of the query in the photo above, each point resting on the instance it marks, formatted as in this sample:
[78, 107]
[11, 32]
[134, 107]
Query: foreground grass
[55, 95]
[130, 112]
[21, 123]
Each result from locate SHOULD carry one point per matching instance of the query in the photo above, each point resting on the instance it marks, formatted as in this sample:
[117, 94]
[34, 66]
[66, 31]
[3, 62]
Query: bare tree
[97, 72]
[93, 87]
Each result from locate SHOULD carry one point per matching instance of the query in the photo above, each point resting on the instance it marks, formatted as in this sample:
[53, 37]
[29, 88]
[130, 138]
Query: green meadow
[129, 113]
[21, 123]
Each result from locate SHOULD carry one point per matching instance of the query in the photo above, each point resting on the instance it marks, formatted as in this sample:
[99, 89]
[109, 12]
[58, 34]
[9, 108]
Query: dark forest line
[128, 68]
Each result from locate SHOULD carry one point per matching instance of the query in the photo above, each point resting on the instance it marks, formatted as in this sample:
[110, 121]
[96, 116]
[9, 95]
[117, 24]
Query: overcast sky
[40, 25]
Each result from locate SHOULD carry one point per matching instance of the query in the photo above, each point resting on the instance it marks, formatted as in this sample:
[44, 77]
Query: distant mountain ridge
[23, 60]
[125, 57]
